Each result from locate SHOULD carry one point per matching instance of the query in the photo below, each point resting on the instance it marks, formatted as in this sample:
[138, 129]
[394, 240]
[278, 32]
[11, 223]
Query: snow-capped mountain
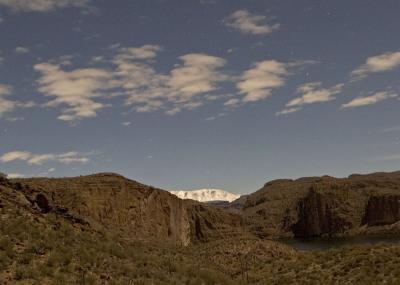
[207, 195]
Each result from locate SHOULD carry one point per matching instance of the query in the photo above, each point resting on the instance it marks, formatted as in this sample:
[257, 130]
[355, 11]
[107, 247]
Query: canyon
[106, 216]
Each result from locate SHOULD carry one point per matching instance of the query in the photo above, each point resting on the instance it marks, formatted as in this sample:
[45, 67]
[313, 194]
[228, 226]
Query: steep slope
[43, 244]
[307, 207]
[130, 208]
[206, 195]
[325, 206]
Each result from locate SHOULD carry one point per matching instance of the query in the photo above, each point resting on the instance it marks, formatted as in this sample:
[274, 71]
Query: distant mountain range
[207, 195]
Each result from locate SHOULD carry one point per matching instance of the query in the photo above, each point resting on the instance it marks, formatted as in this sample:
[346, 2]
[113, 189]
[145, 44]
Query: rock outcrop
[318, 215]
[324, 206]
[382, 210]
[132, 209]
[307, 207]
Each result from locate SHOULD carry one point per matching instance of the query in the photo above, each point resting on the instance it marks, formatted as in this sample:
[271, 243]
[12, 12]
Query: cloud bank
[39, 159]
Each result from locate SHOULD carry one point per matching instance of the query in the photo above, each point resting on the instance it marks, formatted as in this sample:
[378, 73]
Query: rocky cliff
[130, 208]
[105, 229]
[306, 207]
[382, 210]
[324, 206]
[320, 214]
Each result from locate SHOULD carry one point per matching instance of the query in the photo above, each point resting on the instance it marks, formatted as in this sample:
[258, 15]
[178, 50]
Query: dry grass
[51, 251]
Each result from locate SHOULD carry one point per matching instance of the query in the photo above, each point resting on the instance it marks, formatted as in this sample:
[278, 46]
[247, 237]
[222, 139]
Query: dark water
[325, 244]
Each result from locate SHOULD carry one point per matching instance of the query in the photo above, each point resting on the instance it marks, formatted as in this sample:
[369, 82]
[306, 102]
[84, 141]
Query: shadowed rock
[382, 210]
[43, 203]
[318, 216]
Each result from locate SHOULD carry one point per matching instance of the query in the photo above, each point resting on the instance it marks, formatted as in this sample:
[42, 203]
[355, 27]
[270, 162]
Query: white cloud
[142, 86]
[288, 111]
[247, 23]
[131, 74]
[15, 175]
[135, 53]
[15, 155]
[15, 119]
[312, 93]
[42, 5]
[39, 159]
[391, 157]
[258, 82]
[5, 104]
[126, 124]
[380, 63]
[198, 74]
[75, 90]
[133, 77]
[212, 118]
[391, 129]
[21, 50]
[233, 102]
[369, 100]
[180, 89]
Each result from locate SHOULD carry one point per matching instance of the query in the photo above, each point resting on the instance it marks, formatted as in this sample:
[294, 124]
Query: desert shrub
[59, 258]
[116, 250]
[86, 257]
[90, 279]
[23, 272]
[19, 273]
[45, 270]
[5, 261]
[38, 248]
[7, 247]
[25, 258]
[60, 279]
[170, 265]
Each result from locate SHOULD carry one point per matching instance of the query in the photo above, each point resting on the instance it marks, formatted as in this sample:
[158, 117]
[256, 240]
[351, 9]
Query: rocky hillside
[325, 206]
[44, 243]
[105, 229]
[306, 207]
[130, 208]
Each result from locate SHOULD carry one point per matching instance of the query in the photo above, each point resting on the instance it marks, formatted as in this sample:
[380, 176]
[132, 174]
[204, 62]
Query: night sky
[199, 93]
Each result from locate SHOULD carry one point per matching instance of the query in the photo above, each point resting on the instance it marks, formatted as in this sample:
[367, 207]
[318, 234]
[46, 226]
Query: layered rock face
[129, 208]
[382, 210]
[324, 206]
[319, 214]
[307, 207]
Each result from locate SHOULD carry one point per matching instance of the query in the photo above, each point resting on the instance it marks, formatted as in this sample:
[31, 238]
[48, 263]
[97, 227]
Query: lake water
[325, 244]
